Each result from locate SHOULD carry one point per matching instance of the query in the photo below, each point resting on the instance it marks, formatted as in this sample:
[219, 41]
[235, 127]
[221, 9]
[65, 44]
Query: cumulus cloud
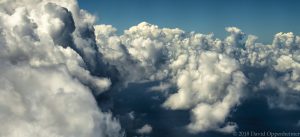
[209, 73]
[49, 102]
[52, 58]
[146, 129]
[281, 62]
[199, 66]
[46, 67]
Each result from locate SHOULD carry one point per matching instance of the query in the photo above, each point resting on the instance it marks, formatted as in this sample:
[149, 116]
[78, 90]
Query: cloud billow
[46, 72]
[52, 56]
[209, 73]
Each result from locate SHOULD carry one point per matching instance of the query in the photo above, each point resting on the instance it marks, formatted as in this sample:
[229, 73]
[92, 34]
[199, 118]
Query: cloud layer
[210, 74]
[53, 60]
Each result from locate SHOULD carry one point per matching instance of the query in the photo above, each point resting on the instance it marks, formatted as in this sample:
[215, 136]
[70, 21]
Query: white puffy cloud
[46, 66]
[209, 116]
[47, 101]
[281, 63]
[51, 59]
[199, 66]
[146, 129]
[208, 73]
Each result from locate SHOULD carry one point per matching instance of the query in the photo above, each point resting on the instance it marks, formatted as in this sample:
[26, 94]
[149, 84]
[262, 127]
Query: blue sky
[263, 18]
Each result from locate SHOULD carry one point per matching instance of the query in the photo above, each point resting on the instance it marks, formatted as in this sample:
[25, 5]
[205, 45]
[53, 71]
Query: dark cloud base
[253, 114]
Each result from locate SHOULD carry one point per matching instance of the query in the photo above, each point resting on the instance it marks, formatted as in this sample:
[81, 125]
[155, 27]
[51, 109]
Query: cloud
[209, 73]
[162, 87]
[131, 115]
[48, 102]
[146, 129]
[46, 72]
[52, 57]
[195, 64]
[281, 62]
